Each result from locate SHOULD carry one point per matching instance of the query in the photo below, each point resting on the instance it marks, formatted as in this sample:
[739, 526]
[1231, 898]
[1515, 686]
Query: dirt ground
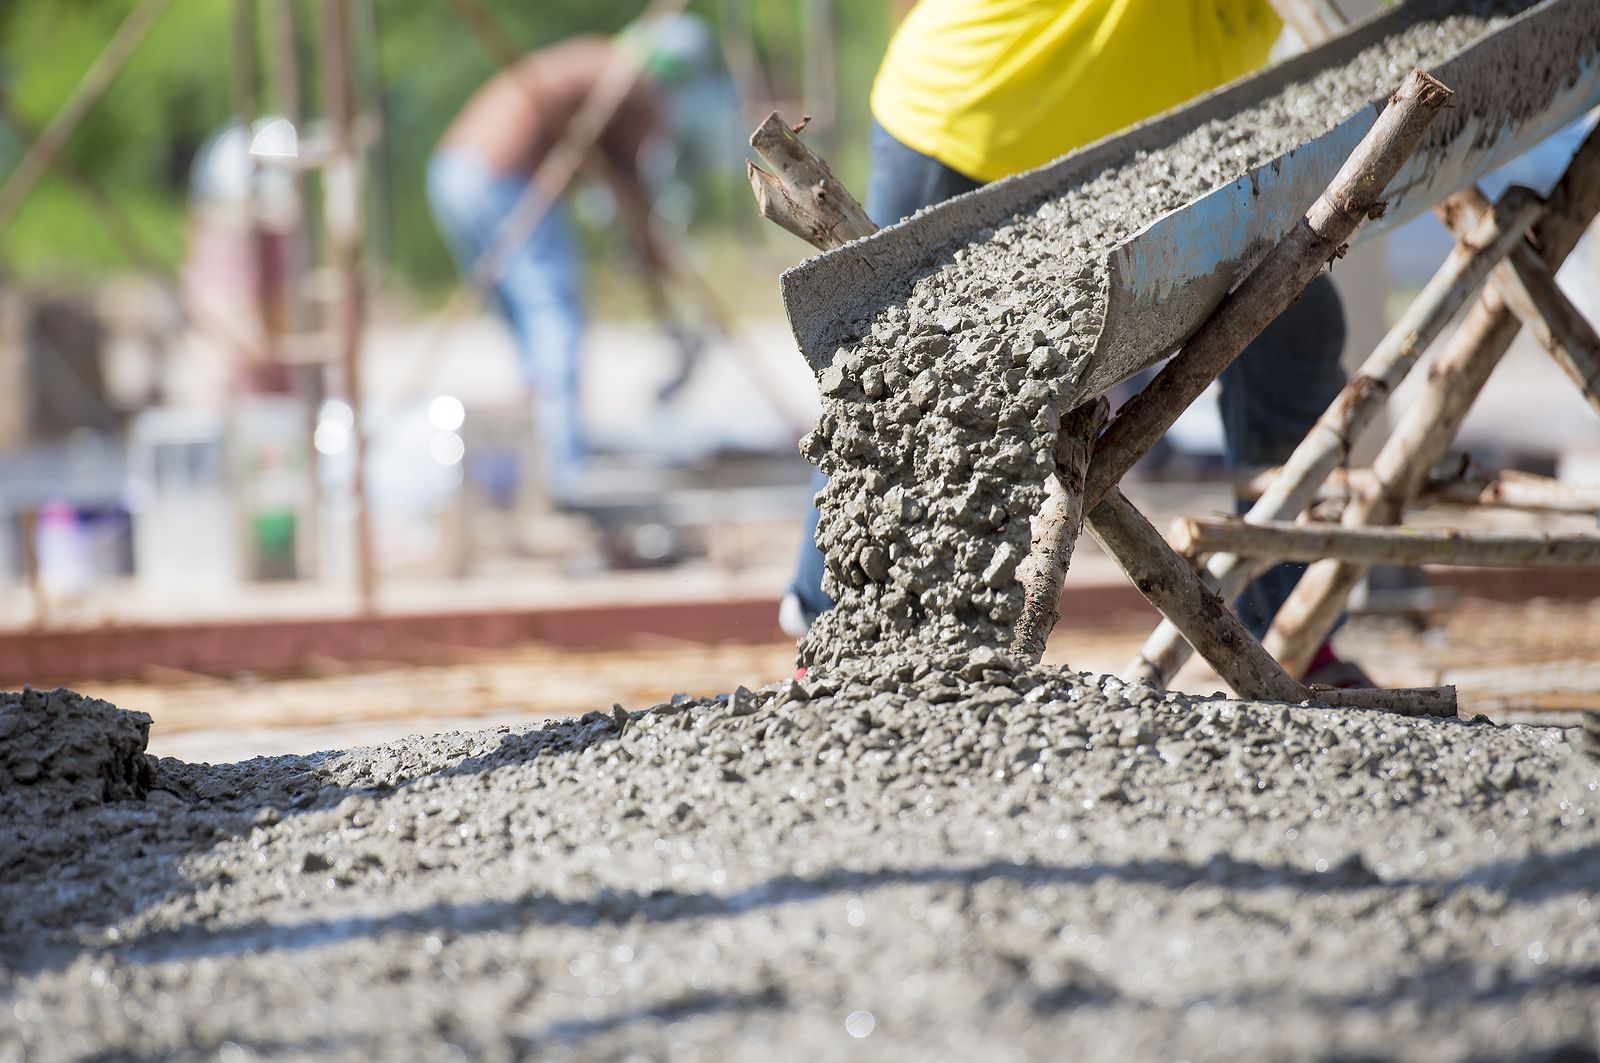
[1534, 661]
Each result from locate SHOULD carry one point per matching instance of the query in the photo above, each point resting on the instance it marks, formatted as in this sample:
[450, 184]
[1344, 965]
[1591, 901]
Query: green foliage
[138, 143]
[135, 145]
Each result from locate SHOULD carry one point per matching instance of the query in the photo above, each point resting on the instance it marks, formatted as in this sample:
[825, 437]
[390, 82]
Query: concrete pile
[941, 860]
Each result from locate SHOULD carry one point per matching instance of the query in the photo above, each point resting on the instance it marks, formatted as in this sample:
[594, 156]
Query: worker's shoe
[1328, 670]
[792, 616]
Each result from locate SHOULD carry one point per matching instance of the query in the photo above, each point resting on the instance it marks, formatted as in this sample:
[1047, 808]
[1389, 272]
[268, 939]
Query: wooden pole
[1327, 445]
[264, 346]
[490, 34]
[1429, 424]
[1286, 541]
[1273, 285]
[1060, 523]
[39, 158]
[1169, 584]
[1531, 292]
[1509, 489]
[817, 80]
[343, 210]
[132, 243]
[801, 194]
[1405, 701]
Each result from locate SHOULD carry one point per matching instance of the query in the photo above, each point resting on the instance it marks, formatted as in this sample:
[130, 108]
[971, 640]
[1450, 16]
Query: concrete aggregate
[945, 857]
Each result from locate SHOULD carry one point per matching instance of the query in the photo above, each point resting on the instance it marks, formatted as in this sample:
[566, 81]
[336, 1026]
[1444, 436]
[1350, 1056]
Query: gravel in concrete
[949, 859]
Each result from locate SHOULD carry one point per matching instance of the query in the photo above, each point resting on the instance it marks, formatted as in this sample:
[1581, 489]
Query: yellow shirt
[995, 87]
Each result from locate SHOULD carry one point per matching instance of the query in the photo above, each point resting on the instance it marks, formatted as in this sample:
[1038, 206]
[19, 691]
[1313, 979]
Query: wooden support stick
[1060, 523]
[801, 194]
[1174, 588]
[1430, 423]
[1509, 489]
[96, 82]
[1406, 701]
[344, 214]
[1273, 285]
[1531, 292]
[1285, 541]
[1328, 443]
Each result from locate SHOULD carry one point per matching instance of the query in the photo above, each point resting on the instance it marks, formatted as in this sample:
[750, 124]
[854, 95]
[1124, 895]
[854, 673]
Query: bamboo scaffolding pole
[1532, 293]
[37, 161]
[1428, 426]
[1060, 522]
[1272, 286]
[1170, 585]
[1509, 489]
[1286, 541]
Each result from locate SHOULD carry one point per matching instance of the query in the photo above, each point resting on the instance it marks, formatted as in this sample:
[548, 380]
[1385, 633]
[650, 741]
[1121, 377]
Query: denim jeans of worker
[900, 182]
[539, 293]
[1271, 395]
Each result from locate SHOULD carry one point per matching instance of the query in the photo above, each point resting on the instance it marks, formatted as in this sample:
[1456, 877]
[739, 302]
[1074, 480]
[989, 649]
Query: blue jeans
[1271, 395]
[540, 294]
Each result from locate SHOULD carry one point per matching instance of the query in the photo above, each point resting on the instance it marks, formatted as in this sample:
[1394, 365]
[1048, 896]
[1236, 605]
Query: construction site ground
[1512, 662]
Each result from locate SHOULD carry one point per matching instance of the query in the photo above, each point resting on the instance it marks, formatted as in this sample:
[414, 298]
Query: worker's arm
[636, 120]
[633, 205]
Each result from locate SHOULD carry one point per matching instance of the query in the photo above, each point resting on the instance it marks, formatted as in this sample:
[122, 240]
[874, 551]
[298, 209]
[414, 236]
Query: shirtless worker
[482, 167]
[971, 91]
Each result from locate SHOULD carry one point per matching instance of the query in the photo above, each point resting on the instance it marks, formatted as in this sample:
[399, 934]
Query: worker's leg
[542, 287]
[902, 181]
[539, 293]
[1271, 396]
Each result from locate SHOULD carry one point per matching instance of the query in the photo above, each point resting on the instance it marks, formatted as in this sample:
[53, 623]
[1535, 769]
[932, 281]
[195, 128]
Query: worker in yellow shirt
[971, 91]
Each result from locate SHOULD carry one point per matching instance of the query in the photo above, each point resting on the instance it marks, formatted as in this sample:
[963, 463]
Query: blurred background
[259, 418]
[217, 253]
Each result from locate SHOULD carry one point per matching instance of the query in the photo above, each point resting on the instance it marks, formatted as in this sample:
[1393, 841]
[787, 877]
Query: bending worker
[481, 171]
[971, 91]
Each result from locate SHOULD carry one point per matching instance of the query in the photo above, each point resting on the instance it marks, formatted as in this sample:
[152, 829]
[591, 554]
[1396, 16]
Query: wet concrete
[60, 752]
[954, 858]
[941, 407]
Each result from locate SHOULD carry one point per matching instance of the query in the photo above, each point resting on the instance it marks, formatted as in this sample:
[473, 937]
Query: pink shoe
[1328, 670]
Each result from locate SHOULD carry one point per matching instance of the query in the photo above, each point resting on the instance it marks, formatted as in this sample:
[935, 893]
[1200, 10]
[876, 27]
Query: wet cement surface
[955, 860]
